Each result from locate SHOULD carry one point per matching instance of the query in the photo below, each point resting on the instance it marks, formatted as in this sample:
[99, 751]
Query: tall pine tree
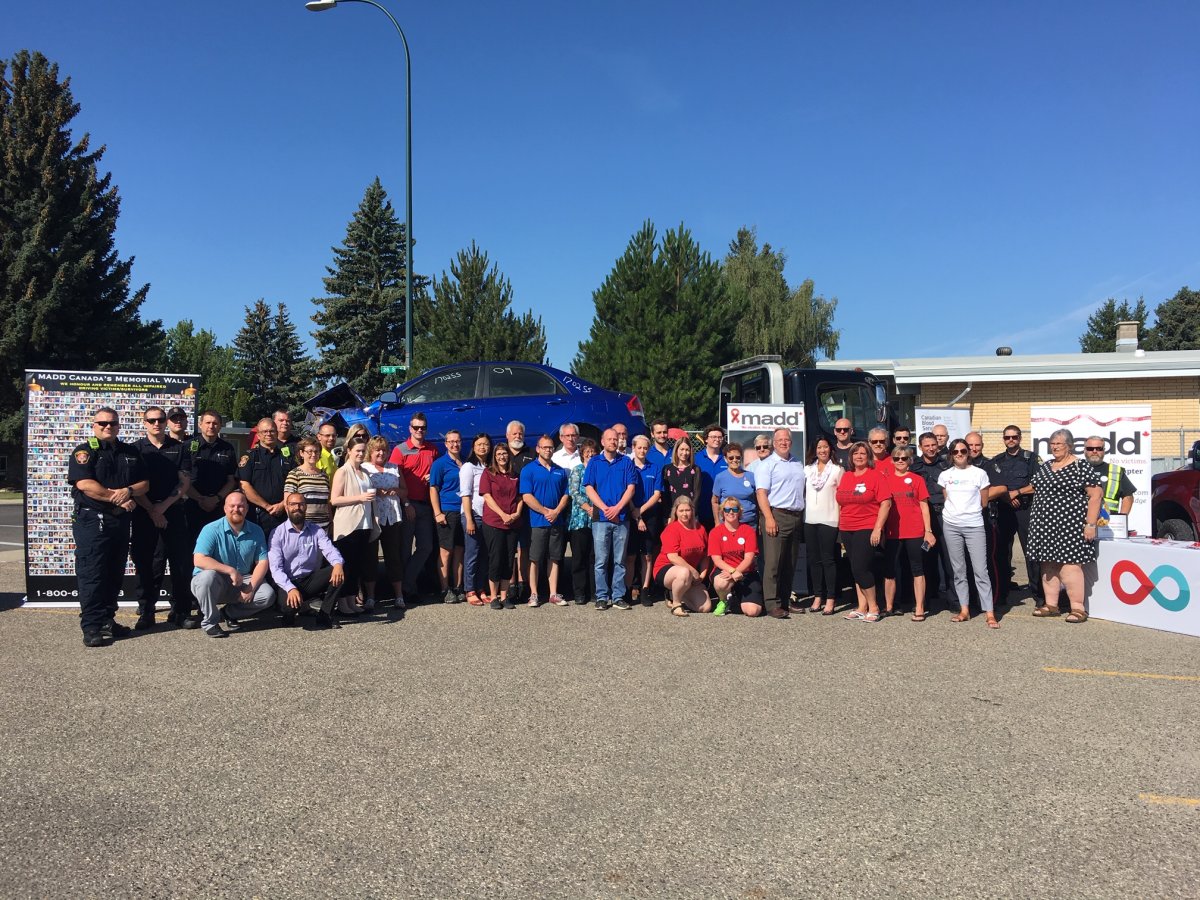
[294, 371]
[470, 318]
[772, 317]
[1176, 322]
[360, 323]
[662, 327]
[1101, 334]
[65, 297]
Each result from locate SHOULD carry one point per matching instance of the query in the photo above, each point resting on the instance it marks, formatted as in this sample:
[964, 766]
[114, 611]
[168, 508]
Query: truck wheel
[1176, 530]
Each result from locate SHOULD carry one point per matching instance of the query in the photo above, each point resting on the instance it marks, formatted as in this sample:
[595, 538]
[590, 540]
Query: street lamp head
[320, 5]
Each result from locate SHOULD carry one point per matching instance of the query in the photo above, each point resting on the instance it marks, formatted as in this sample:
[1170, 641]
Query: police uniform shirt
[163, 465]
[266, 471]
[114, 466]
[212, 464]
[1015, 471]
[930, 471]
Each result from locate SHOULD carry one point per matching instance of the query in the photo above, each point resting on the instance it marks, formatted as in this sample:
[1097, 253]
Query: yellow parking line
[1170, 801]
[1151, 675]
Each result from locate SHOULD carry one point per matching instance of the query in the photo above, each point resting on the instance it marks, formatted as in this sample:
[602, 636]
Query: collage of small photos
[60, 407]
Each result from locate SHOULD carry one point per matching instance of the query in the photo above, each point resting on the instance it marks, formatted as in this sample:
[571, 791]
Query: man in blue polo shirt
[711, 461]
[544, 489]
[609, 481]
[231, 566]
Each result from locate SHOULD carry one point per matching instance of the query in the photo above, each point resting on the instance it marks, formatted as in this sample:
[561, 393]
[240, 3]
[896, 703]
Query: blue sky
[960, 175]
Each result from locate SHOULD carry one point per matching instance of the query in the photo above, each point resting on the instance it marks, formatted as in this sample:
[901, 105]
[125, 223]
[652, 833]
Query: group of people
[290, 525]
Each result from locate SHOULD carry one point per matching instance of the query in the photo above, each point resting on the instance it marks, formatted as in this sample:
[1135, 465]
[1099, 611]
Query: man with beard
[1118, 489]
[306, 566]
[230, 569]
[520, 588]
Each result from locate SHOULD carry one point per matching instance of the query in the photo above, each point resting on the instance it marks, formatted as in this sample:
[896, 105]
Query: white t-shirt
[469, 476]
[962, 487]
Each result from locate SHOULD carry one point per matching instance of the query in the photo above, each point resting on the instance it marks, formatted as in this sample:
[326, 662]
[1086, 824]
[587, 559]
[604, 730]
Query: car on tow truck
[482, 397]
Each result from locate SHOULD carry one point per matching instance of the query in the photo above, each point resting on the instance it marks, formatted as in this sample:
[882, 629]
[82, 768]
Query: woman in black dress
[1062, 525]
[681, 476]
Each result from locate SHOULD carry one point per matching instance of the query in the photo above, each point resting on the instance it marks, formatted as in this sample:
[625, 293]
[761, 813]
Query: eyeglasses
[762, 446]
[959, 453]
[841, 430]
[900, 458]
[267, 431]
[1012, 437]
[158, 420]
[733, 457]
[107, 423]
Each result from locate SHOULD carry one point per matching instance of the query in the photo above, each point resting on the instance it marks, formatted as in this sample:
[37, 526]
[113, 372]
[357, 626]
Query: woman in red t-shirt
[865, 500]
[502, 508]
[908, 532]
[732, 547]
[683, 561]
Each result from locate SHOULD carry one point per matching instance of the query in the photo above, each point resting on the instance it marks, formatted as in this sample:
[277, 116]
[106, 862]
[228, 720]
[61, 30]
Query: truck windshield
[855, 402]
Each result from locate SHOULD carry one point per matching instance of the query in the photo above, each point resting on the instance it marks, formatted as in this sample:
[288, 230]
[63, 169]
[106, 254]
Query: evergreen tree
[1177, 323]
[771, 317]
[65, 297]
[662, 328]
[191, 351]
[294, 371]
[1101, 334]
[256, 369]
[361, 320]
[470, 318]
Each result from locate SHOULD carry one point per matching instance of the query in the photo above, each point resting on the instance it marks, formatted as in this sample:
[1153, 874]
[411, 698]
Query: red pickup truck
[1175, 501]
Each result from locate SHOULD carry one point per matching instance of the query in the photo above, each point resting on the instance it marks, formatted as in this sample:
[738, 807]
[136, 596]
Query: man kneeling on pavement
[231, 569]
[304, 582]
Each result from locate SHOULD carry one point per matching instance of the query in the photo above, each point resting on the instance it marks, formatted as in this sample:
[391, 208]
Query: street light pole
[321, 6]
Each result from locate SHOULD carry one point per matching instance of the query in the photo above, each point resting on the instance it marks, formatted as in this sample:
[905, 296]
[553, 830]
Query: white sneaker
[534, 602]
[558, 599]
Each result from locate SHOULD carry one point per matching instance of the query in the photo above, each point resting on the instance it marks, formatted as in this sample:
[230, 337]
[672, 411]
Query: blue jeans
[608, 544]
[475, 559]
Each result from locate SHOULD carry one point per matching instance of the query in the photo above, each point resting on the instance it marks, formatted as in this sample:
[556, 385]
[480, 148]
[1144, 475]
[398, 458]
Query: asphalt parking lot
[571, 753]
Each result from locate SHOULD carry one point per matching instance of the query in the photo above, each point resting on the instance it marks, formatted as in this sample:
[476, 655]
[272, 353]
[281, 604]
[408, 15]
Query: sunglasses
[730, 509]
[841, 430]
[1012, 437]
[762, 447]
[159, 420]
[419, 427]
[1094, 449]
[878, 443]
[107, 423]
[959, 453]
[733, 456]
[900, 458]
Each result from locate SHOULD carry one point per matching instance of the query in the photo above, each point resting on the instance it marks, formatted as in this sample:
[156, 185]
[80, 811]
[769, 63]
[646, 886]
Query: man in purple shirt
[303, 580]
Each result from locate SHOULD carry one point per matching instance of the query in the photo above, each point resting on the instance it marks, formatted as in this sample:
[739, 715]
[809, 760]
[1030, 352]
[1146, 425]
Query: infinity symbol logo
[1148, 586]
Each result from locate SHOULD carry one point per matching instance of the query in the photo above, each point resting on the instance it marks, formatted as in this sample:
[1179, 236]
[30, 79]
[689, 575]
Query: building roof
[1046, 367]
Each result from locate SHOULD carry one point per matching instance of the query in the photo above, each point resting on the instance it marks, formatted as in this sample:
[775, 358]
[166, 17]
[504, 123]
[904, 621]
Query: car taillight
[634, 405]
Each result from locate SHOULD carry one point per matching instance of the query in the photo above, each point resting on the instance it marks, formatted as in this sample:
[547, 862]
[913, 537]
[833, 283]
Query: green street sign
[391, 370]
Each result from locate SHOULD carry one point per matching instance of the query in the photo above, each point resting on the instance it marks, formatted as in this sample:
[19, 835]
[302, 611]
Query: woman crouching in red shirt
[733, 547]
[683, 561]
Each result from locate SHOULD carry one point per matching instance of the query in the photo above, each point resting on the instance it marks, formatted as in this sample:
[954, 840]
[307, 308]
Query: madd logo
[1147, 586]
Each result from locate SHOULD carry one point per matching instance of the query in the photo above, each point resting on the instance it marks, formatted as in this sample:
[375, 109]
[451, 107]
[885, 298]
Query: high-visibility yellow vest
[1111, 501]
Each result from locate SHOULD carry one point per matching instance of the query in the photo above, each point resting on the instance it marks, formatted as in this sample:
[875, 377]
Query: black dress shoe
[92, 637]
[144, 622]
[189, 623]
[325, 620]
[288, 619]
[112, 629]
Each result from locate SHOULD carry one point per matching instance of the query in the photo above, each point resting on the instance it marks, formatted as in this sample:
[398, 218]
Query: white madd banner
[1126, 433]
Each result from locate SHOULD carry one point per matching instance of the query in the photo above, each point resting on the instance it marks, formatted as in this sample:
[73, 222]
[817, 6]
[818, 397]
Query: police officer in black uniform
[929, 464]
[1015, 468]
[160, 517]
[262, 473]
[214, 473]
[106, 477]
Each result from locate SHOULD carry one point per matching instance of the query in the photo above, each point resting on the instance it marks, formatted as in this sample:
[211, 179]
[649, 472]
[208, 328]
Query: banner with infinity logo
[1146, 584]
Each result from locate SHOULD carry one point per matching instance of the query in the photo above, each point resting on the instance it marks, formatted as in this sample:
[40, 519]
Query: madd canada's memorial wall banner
[59, 410]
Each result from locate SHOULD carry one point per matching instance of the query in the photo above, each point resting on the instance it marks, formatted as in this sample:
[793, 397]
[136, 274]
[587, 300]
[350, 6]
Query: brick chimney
[1127, 337]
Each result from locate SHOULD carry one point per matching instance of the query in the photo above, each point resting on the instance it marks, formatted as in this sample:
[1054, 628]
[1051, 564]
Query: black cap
[176, 411]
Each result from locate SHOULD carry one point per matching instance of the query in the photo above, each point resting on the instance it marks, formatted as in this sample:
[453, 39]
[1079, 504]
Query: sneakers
[622, 604]
[534, 601]
[558, 600]
[496, 603]
[719, 609]
[216, 631]
[449, 597]
[508, 602]
[602, 605]
[229, 621]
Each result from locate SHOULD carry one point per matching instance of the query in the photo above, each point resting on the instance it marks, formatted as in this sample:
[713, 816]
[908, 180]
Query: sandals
[871, 617]
[992, 623]
[679, 611]
[853, 616]
[961, 617]
[918, 617]
[473, 599]
[1047, 612]
[1076, 617]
